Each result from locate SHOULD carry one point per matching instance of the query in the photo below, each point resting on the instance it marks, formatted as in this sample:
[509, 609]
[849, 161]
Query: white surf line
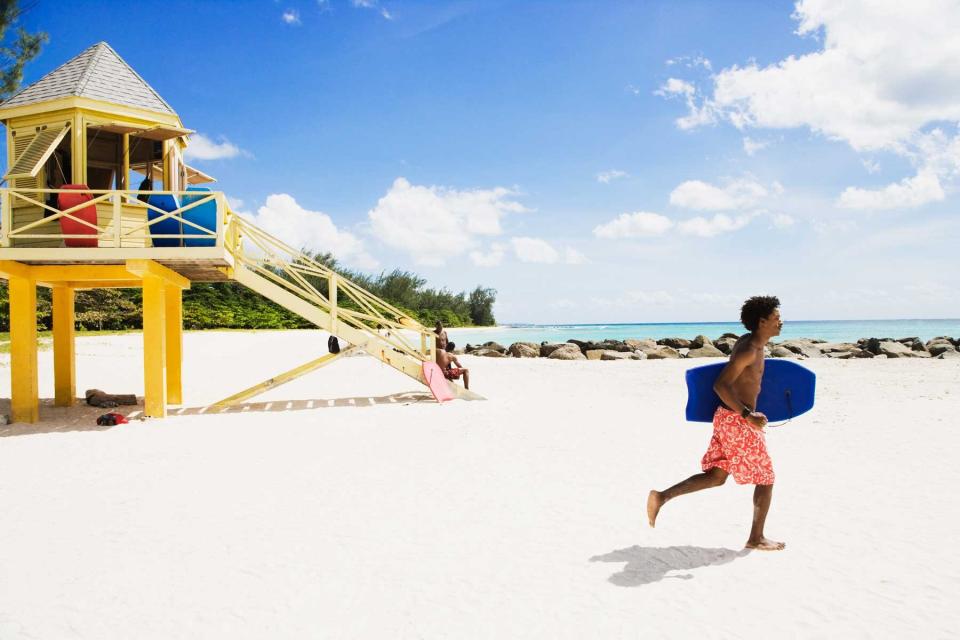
[329, 403]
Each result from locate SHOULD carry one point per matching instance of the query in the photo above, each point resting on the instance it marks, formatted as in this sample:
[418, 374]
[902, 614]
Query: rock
[872, 345]
[549, 347]
[487, 353]
[803, 348]
[780, 351]
[907, 341]
[729, 335]
[725, 344]
[942, 340]
[594, 354]
[616, 355]
[662, 353]
[524, 350]
[567, 352]
[897, 349]
[638, 355]
[642, 345]
[675, 343]
[917, 346]
[939, 348]
[700, 341]
[837, 347]
[706, 351]
[861, 353]
[495, 346]
[839, 355]
[949, 355]
[583, 346]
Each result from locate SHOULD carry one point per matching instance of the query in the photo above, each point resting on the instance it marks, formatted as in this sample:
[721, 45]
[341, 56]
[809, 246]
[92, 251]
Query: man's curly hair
[757, 308]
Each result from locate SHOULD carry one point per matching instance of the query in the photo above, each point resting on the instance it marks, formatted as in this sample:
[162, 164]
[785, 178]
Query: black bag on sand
[333, 345]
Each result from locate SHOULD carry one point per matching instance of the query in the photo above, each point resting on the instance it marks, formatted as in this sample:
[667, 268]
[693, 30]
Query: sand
[349, 505]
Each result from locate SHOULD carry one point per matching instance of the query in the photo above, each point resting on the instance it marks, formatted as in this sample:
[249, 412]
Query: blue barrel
[204, 215]
[170, 226]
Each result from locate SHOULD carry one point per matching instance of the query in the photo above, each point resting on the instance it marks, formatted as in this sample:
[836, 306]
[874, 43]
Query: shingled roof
[98, 73]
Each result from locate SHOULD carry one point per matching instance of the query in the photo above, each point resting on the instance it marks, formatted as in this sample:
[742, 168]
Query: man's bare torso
[747, 385]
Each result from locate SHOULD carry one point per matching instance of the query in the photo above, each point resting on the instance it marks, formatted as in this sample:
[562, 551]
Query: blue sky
[592, 161]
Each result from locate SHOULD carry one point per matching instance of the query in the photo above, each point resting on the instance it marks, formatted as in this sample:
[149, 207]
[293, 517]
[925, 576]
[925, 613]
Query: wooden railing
[122, 221]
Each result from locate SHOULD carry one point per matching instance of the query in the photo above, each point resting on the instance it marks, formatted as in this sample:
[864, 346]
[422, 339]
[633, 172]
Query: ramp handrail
[271, 258]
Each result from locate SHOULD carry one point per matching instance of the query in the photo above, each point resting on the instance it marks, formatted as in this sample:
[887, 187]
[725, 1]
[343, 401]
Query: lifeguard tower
[98, 194]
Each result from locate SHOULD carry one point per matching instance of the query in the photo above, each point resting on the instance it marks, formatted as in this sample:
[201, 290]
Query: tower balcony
[191, 232]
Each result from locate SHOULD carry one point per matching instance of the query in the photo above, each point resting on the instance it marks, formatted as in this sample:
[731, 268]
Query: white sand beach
[348, 504]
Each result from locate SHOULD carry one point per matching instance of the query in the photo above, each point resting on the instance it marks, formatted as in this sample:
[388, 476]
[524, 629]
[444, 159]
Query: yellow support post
[64, 353]
[174, 331]
[24, 399]
[154, 347]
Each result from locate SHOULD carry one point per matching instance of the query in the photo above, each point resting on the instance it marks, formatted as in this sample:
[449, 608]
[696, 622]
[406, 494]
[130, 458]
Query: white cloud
[909, 192]
[284, 218]
[606, 177]
[691, 62]
[534, 250]
[872, 166]
[636, 299]
[372, 4]
[782, 220]
[675, 87]
[539, 251]
[703, 196]
[572, 256]
[697, 115]
[490, 259]
[857, 87]
[435, 224]
[751, 146]
[201, 147]
[291, 16]
[708, 227]
[640, 224]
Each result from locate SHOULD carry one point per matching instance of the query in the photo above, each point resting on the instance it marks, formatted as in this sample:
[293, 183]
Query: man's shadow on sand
[652, 564]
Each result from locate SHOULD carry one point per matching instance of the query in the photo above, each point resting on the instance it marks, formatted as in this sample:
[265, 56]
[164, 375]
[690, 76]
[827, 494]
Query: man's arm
[740, 360]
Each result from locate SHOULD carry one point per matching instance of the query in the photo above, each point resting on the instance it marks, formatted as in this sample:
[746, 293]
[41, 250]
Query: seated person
[452, 369]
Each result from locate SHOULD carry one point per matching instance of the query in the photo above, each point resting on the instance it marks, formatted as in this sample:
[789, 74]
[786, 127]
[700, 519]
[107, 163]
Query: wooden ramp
[333, 303]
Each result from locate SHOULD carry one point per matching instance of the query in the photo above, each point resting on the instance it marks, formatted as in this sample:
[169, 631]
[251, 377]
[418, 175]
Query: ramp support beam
[281, 379]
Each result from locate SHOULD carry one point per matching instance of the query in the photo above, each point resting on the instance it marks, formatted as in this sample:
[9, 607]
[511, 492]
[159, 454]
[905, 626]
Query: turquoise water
[830, 330]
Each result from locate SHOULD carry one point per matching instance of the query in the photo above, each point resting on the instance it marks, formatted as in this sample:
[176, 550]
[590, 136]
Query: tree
[14, 55]
[481, 306]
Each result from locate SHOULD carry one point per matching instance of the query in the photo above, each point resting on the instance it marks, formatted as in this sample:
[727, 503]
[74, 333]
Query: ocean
[829, 330]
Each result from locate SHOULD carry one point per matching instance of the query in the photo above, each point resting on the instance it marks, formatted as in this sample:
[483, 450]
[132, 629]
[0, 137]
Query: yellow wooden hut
[97, 194]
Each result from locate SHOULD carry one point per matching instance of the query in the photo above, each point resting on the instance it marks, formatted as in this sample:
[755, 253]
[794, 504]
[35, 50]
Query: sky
[593, 161]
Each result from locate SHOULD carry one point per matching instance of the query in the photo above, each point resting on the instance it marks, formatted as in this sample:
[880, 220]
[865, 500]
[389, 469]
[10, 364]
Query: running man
[738, 445]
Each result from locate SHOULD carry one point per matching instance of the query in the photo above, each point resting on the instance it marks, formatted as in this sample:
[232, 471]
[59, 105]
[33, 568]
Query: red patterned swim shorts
[739, 449]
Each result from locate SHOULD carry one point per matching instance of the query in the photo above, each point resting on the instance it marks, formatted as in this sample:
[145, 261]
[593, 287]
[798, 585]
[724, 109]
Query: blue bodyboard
[204, 215]
[786, 391]
[170, 226]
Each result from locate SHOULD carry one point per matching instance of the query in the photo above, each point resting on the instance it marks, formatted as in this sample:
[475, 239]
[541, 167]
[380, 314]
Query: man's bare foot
[763, 544]
[654, 502]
